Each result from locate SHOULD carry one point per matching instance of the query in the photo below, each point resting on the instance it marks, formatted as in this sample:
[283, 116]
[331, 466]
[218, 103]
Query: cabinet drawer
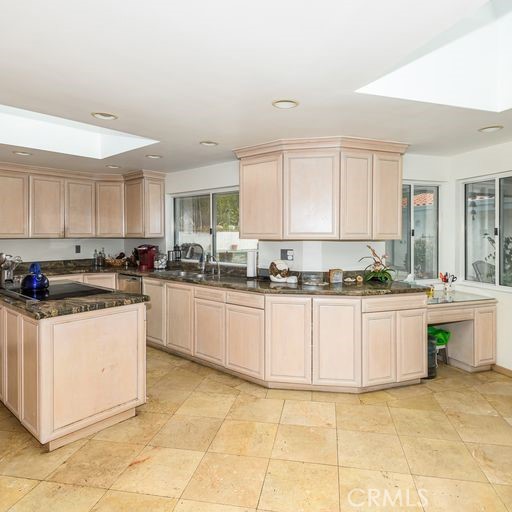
[444, 315]
[251, 300]
[210, 294]
[395, 302]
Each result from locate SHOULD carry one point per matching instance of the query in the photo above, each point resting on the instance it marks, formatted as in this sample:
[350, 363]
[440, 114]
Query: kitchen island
[70, 367]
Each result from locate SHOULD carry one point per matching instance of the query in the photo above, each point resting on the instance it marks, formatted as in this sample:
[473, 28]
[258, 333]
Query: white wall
[60, 248]
[477, 163]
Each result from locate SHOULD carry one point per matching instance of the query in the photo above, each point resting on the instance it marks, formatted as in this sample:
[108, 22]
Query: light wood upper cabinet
[288, 339]
[13, 205]
[80, 211]
[337, 351]
[156, 310]
[154, 208]
[485, 336]
[209, 330]
[180, 317]
[245, 339]
[356, 203]
[109, 209]
[261, 197]
[387, 196]
[411, 344]
[379, 348]
[46, 207]
[144, 208]
[311, 195]
[134, 208]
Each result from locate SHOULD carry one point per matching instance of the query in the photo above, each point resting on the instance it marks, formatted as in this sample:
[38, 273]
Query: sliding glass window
[505, 232]
[418, 248]
[480, 223]
[212, 221]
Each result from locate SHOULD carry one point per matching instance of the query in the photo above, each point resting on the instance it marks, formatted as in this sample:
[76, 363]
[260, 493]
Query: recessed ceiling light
[208, 143]
[491, 129]
[104, 116]
[22, 153]
[111, 166]
[154, 157]
[285, 104]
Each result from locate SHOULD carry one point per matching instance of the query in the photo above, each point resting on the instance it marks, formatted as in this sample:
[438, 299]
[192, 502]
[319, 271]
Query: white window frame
[419, 183]
[461, 214]
[207, 192]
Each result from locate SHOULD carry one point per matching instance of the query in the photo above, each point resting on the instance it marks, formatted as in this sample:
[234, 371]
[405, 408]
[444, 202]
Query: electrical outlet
[287, 254]
[78, 249]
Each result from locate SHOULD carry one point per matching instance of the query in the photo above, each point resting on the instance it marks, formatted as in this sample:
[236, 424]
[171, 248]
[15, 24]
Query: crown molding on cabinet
[339, 142]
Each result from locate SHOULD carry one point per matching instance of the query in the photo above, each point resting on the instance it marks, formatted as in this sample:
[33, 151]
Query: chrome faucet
[190, 253]
[212, 261]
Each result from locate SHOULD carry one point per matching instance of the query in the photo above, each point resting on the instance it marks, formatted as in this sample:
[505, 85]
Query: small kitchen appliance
[8, 264]
[146, 257]
[35, 279]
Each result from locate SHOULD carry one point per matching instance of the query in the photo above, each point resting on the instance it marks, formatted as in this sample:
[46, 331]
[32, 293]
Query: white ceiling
[181, 72]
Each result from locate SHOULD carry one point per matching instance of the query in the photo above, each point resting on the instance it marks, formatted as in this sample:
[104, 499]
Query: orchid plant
[377, 270]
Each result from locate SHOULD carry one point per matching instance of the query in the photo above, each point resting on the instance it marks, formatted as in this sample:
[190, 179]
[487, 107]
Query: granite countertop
[52, 308]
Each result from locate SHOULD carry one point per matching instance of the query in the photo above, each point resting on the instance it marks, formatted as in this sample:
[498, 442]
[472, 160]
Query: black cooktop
[59, 291]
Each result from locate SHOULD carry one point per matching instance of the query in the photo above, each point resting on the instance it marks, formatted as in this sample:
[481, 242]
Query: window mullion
[212, 224]
[411, 237]
[497, 232]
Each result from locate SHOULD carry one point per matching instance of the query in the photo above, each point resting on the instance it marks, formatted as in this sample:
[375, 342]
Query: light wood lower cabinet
[105, 280]
[209, 330]
[245, 339]
[155, 310]
[2, 354]
[12, 332]
[484, 336]
[180, 317]
[411, 344]
[379, 348]
[79, 278]
[13, 205]
[337, 342]
[288, 339]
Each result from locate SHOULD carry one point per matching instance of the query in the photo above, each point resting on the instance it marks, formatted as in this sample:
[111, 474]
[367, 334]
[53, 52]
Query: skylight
[472, 71]
[23, 128]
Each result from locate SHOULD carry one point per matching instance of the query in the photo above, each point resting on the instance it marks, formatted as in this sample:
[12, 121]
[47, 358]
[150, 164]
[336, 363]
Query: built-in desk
[472, 321]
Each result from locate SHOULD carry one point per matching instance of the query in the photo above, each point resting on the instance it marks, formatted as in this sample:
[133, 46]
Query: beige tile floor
[210, 442]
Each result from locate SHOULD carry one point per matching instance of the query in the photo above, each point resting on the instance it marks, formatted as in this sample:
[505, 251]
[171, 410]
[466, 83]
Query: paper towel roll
[252, 270]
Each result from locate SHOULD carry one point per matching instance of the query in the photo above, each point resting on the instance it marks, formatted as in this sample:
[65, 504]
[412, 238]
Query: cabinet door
[485, 335]
[13, 205]
[356, 200]
[245, 338]
[288, 339]
[46, 207]
[105, 280]
[261, 197]
[411, 344]
[109, 209]
[2, 354]
[379, 348]
[337, 342]
[154, 193]
[387, 196]
[155, 310]
[79, 278]
[80, 213]
[180, 317]
[12, 345]
[134, 208]
[209, 330]
[311, 195]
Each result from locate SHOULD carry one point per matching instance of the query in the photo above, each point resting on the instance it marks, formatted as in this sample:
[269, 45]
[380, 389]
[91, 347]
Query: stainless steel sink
[182, 273]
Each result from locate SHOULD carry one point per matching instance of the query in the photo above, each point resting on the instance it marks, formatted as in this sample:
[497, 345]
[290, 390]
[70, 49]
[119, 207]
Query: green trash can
[436, 338]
